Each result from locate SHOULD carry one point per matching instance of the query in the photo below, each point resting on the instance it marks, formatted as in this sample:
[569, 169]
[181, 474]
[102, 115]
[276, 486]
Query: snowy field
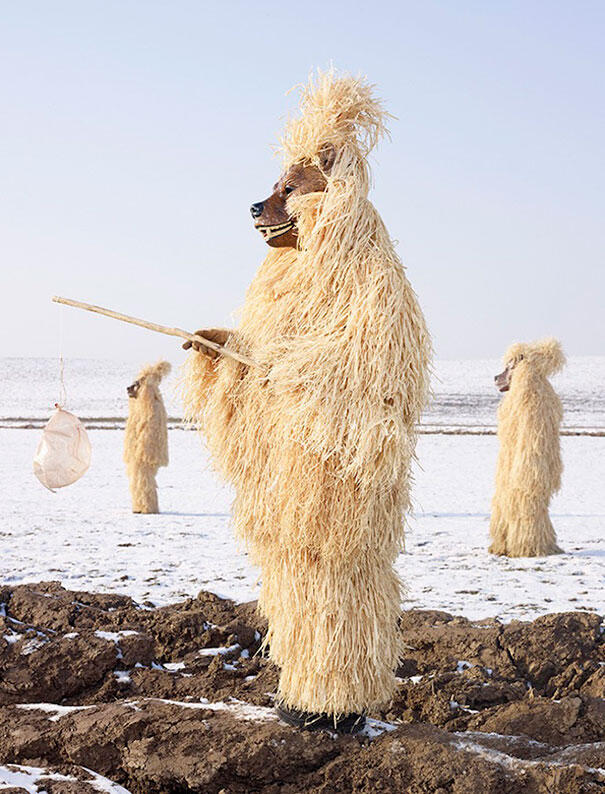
[464, 393]
[86, 537]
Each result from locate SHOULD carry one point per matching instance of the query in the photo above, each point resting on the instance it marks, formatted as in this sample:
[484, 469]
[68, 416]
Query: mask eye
[288, 189]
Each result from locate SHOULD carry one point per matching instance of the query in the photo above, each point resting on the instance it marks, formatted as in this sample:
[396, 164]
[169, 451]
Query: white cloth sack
[63, 454]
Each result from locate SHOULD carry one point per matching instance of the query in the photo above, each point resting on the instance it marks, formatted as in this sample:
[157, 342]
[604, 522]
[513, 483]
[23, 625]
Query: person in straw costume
[318, 438]
[146, 437]
[529, 465]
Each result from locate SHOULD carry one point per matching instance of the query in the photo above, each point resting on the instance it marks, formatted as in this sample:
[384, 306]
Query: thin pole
[160, 329]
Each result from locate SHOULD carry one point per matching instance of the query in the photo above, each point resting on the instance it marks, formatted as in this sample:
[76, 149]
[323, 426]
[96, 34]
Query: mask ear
[327, 155]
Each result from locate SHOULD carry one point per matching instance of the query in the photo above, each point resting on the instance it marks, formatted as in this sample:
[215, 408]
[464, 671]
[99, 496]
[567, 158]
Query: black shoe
[308, 721]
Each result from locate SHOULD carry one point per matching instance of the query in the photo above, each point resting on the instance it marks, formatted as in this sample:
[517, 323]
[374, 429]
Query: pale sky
[135, 134]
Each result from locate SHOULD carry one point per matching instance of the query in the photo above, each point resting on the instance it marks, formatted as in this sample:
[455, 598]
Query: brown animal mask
[133, 389]
[271, 216]
[503, 380]
[149, 379]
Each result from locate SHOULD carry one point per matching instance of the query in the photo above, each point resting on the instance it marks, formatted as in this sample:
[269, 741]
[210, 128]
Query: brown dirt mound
[177, 699]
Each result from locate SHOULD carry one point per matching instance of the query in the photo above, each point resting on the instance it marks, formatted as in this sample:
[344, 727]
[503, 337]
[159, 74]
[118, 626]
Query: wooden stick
[161, 329]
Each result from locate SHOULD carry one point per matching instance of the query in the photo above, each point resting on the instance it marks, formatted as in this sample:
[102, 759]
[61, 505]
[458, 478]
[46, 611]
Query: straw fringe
[143, 488]
[529, 465]
[146, 438]
[319, 439]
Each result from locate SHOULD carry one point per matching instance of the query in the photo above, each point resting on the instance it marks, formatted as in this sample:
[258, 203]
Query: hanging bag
[63, 454]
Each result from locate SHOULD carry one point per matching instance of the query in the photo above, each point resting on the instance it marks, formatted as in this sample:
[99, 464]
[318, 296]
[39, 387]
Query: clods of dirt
[179, 699]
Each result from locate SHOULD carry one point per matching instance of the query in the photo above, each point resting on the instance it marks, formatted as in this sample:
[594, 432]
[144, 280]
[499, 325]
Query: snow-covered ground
[34, 780]
[86, 537]
[464, 393]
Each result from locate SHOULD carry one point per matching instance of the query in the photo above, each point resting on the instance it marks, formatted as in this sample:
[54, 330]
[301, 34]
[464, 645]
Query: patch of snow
[463, 665]
[374, 728]
[52, 708]
[566, 753]
[122, 676]
[71, 635]
[103, 784]
[12, 638]
[512, 762]
[218, 651]
[511, 738]
[30, 778]
[174, 666]
[114, 636]
[237, 708]
[32, 645]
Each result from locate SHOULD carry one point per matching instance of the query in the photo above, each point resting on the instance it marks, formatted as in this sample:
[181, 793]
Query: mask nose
[256, 210]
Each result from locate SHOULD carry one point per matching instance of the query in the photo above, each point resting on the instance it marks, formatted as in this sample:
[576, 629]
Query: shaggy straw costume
[319, 438]
[146, 439]
[529, 463]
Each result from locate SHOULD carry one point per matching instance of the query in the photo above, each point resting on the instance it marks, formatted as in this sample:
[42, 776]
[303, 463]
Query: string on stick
[62, 401]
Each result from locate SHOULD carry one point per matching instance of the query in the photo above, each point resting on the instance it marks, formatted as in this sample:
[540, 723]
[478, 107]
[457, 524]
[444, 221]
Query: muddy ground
[177, 699]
